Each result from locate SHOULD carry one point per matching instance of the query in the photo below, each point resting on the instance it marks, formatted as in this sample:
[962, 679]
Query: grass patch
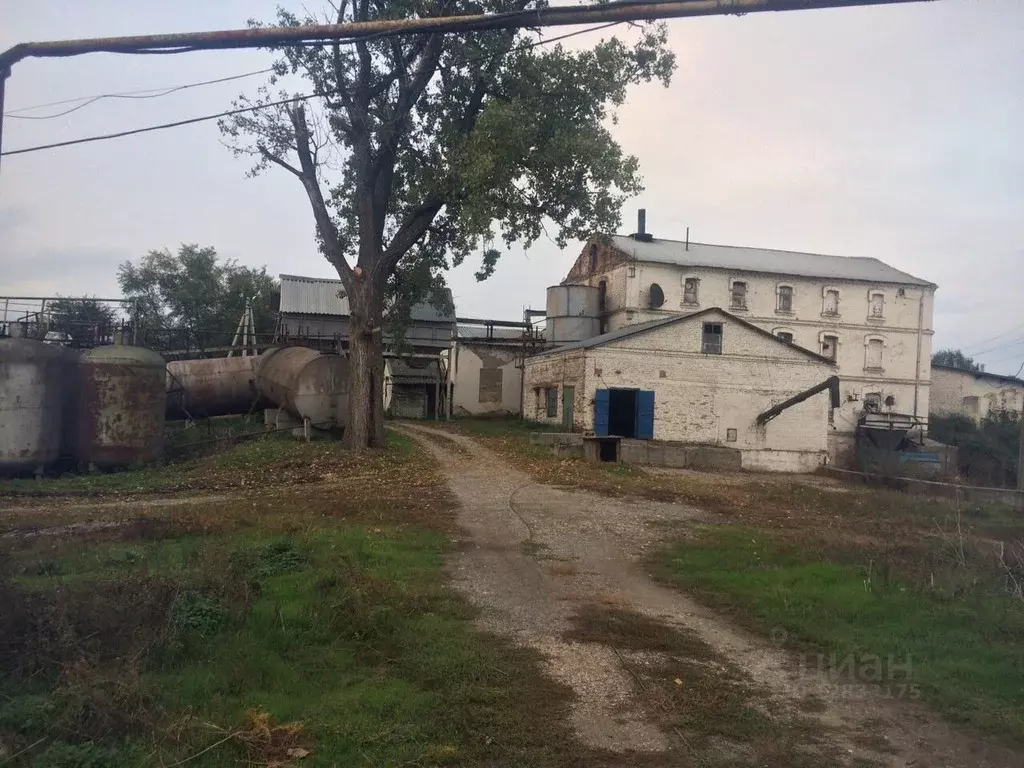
[304, 612]
[964, 649]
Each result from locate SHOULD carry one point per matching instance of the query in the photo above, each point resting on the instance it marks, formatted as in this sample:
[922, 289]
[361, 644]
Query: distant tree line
[954, 358]
[192, 299]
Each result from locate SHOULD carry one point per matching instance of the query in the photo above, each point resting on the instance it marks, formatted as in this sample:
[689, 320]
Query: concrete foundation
[655, 452]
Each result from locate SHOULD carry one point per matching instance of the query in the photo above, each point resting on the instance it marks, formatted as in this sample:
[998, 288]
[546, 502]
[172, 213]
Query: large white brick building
[974, 394]
[872, 320]
[701, 378]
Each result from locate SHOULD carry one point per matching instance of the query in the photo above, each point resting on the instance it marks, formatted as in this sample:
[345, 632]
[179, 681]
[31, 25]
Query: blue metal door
[601, 413]
[645, 415]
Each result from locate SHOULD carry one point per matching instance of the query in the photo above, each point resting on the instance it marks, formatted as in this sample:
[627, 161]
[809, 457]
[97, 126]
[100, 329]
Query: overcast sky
[893, 132]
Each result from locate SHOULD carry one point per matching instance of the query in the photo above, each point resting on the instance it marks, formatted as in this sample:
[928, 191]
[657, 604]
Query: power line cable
[991, 338]
[243, 110]
[144, 93]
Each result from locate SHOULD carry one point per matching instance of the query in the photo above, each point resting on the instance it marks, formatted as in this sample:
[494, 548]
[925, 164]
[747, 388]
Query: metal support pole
[5, 72]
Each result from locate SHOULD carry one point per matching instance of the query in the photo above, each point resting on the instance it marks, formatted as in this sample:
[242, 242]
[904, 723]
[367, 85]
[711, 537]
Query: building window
[593, 258]
[552, 400]
[786, 336]
[873, 402]
[690, 291]
[784, 299]
[873, 354]
[711, 342]
[877, 303]
[971, 406]
[830, 347]
[731, 435]
[831, 306]
[739, 295]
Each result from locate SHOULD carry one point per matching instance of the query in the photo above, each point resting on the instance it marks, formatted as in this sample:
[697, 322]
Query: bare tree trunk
[365, 427]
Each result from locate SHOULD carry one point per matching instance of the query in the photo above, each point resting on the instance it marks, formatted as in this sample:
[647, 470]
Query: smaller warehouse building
[974, 394]
[703, 378]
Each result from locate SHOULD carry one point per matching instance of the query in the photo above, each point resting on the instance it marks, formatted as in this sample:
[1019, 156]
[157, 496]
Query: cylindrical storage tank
[34, 382]
[121, 406]
[306, 383]
[216, 387]
[573, 313]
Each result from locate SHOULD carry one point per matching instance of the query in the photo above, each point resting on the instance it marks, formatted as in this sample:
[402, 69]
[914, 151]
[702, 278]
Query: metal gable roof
[319, 296]
[630, 330]
[764, 260]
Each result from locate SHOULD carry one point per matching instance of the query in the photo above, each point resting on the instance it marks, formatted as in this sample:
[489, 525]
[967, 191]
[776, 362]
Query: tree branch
[268, 155]
[308, 175]
[412, 229]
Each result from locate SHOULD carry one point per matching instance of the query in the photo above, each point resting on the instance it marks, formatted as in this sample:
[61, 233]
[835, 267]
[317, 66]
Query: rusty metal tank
[120, 406]
[34, 383]
[216, 387]
[306, 383]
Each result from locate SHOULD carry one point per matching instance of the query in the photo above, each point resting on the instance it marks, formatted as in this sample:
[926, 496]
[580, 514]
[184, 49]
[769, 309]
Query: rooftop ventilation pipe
[641, 227]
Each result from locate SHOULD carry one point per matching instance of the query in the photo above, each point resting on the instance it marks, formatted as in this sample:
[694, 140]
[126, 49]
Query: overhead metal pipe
[261, 37]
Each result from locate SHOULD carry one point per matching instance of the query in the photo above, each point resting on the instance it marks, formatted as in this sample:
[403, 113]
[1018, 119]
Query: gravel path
[533, 556]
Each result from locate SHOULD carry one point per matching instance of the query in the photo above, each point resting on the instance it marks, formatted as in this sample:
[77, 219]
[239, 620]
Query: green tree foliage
[954, 358]
[987, 453]
[424, 149]
[193, 300]
[82, 322]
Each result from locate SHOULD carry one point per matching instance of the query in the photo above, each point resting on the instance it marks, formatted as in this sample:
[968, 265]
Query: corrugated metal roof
[764, 260]
[630, 330]
[1006, 380]
[319, 296]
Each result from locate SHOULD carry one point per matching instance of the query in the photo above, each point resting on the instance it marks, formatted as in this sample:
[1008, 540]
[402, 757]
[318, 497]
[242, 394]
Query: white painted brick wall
[949, 388]
[853, 325]
[699, 397]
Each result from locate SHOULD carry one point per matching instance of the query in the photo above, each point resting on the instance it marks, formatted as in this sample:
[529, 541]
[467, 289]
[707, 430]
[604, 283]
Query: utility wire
[149, 93]
[243, 110]
[161, 126]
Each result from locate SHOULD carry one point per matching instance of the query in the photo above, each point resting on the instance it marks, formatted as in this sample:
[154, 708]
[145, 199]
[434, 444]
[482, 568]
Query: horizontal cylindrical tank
[216, 387]
[306, 383]
[120, 406]
[35, 382]
[573, 313]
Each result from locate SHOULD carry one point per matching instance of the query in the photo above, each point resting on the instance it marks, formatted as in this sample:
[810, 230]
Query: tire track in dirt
[534, 557]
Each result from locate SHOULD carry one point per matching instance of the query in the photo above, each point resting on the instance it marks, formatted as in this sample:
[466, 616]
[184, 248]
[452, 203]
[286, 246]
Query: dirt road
[562, 572]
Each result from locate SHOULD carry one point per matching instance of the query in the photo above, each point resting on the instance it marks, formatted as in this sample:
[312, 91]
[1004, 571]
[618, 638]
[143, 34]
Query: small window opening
[593, 258]
[877, 305]
[786, 336]
[829, 347]
[608, 450]
[785, 299]
[739, 295]
[711, 340]
[874, 354]
[690, 291]
[831, 303]
[552, 402]
[731, 435]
